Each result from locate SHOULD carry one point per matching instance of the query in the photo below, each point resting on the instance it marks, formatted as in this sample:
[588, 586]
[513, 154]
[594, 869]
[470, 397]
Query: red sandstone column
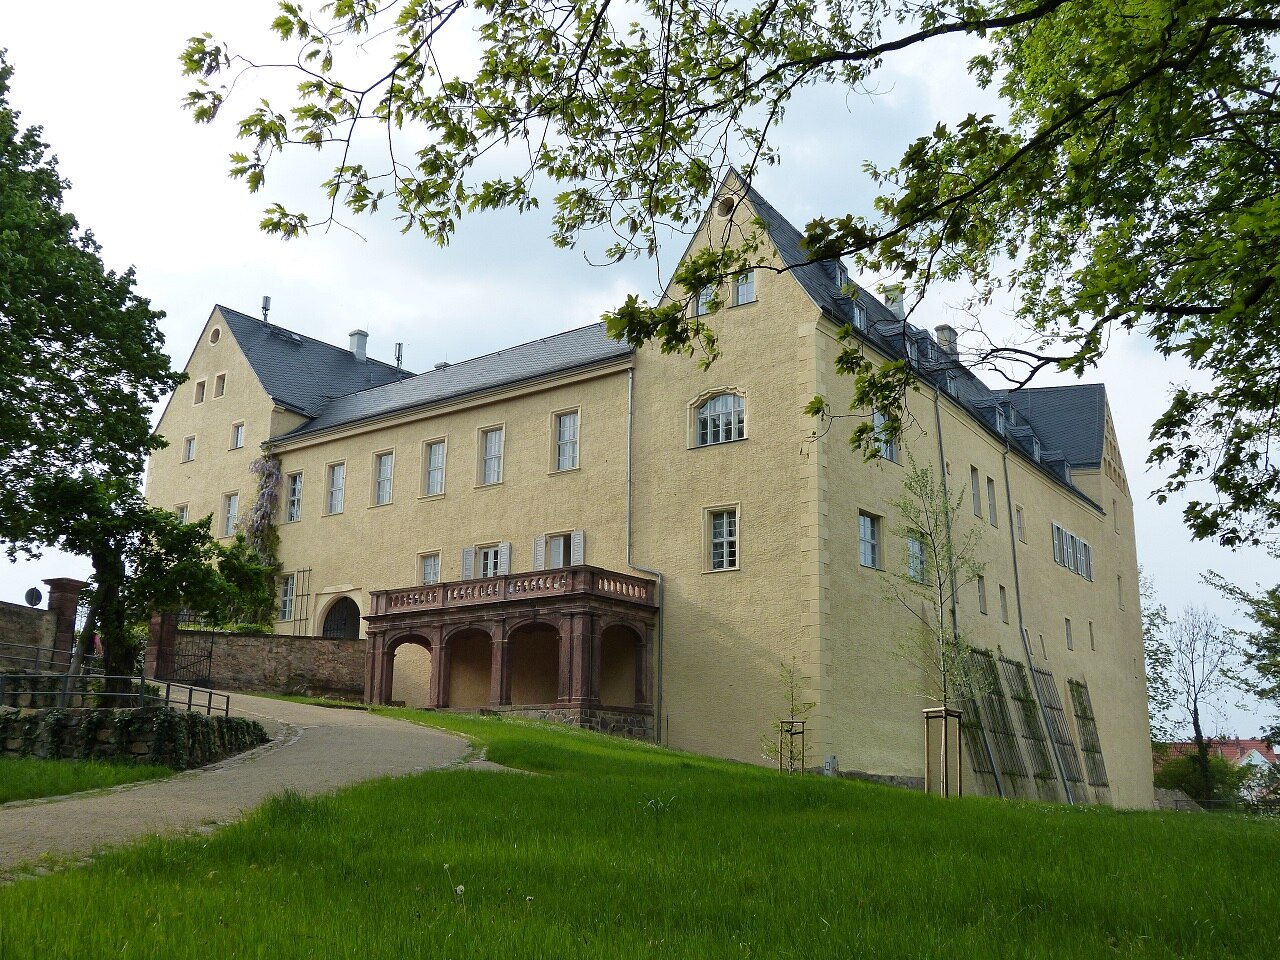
[564, 687]
[64, 597]
[581, 638]
[372, 664]
[158, 662]
[439, 670]
[642, 671]
[500, 666]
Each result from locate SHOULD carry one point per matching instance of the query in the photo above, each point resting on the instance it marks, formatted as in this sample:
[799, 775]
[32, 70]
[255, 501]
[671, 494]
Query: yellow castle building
[576, 529]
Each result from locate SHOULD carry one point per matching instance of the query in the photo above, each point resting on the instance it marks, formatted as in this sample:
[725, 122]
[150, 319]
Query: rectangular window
[219, 385]
[702, 304]
[435, 468]
[430, 568]
[383, 467]
[559, 550]
[237, 436]
[917, 566]
[293, 498]
[724, 539]
[288, 586]
[982, 594]
[886, 446]
[199, 391]
[336, 485]
[1093, 643]
[1070, 645]
[991, 503]
[183, 511]
[489, 557]
[230, 510]
[1120, 592]
[975, 491]
[745, 288]
[868, 540]
[999, 421]
[1020, 522]
[1004, 604]
[567, 440]
[491, 452]
[188, 449]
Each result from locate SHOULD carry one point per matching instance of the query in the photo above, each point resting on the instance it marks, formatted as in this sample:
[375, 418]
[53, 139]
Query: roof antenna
[266, 308]
[399, 354]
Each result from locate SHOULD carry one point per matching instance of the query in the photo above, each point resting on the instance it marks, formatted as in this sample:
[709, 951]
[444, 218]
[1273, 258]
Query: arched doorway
[411, 673]
[470, 655]
[535, 664]
[342, 620]
[619, 646]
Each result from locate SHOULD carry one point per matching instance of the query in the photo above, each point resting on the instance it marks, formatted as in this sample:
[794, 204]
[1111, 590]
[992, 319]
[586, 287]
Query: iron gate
[192, 652]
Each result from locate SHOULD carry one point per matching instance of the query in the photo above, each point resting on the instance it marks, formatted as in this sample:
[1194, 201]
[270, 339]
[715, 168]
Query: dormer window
[859, 316]
[999, 421]
[913, 352]
[721, 419]
[842, 277]
[1035, 449]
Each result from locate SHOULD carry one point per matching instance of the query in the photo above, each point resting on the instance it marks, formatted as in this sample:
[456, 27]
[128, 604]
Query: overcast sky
[104, 82]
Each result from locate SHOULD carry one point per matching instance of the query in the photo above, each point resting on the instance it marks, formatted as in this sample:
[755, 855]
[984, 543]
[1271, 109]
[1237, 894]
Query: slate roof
[1064, 423]
[298, 372]
[575, 349]
[1071, 419]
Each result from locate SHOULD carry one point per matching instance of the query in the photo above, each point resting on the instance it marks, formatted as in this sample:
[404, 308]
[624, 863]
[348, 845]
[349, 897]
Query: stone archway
[342, 619]
[535, 663]
[620, 665]
[411, 672]
[470, 656]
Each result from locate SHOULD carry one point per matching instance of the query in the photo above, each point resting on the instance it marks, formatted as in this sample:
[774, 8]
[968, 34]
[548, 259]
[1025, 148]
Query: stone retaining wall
[317, 666]
[633, 724]
[160, 735]
[26, 637]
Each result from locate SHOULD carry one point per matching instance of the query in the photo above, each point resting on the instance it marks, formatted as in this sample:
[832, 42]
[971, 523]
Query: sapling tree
[779, 745]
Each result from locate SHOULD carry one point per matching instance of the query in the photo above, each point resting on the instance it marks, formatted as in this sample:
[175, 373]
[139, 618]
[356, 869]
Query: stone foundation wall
[633, 724]
[319, 666]
[145, 735]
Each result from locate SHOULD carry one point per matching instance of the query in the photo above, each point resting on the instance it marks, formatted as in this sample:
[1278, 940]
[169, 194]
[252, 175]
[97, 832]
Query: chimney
[948, 340]
[358, 340]
[266, 308]
[894, 295]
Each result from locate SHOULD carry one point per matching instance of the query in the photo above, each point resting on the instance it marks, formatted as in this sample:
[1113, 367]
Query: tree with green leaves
[1260, 645]
[1158, 660]
[1130, 186]
[81, 365]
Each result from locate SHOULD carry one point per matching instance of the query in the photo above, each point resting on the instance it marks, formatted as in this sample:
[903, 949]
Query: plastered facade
[641, 498]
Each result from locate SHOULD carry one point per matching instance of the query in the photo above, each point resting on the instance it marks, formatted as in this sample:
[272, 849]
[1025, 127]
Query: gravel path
[312, 750]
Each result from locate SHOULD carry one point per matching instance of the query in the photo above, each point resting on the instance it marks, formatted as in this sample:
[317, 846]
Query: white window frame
[993, 517]
[565, 548]
[182, 511]
[230, 513]
[335, 487]
[868, 540]
[491, 454]
[1004, 604]
[293, 497]
[429, 567]
[721, 418]
[1070, 643]
[489, 558]
[219, 385]
[982, 594]
[1020, 523]
[288, 588]
[237, 435]
[188, 448]
[745, 281]
[975, 490]
[917, 559]
[199, 392]
[702, 301]
[433, 472]
[384, 470]
[723, 533]
[565, 454]
[886, 447]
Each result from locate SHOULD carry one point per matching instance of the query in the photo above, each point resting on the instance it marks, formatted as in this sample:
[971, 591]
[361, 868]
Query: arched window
[343, 619]
[721, 419]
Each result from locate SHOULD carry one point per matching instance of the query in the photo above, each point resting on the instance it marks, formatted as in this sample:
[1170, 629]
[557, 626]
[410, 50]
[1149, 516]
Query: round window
[725, 207]
[215, 334]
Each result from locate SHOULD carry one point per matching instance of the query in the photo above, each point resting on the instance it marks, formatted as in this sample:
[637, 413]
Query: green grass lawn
[620, 850]
[26, 778]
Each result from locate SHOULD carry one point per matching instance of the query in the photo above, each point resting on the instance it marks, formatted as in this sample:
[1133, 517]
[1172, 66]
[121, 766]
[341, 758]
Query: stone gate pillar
[162, 646]
[64, 599]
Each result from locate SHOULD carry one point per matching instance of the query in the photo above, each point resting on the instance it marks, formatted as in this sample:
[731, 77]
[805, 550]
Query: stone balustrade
[567, 581]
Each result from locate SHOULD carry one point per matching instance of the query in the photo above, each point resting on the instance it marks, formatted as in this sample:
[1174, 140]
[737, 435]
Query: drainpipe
[1022, 628]
[657, 667]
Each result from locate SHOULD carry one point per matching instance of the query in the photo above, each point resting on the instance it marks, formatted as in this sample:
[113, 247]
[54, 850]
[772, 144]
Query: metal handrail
[175, 695]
